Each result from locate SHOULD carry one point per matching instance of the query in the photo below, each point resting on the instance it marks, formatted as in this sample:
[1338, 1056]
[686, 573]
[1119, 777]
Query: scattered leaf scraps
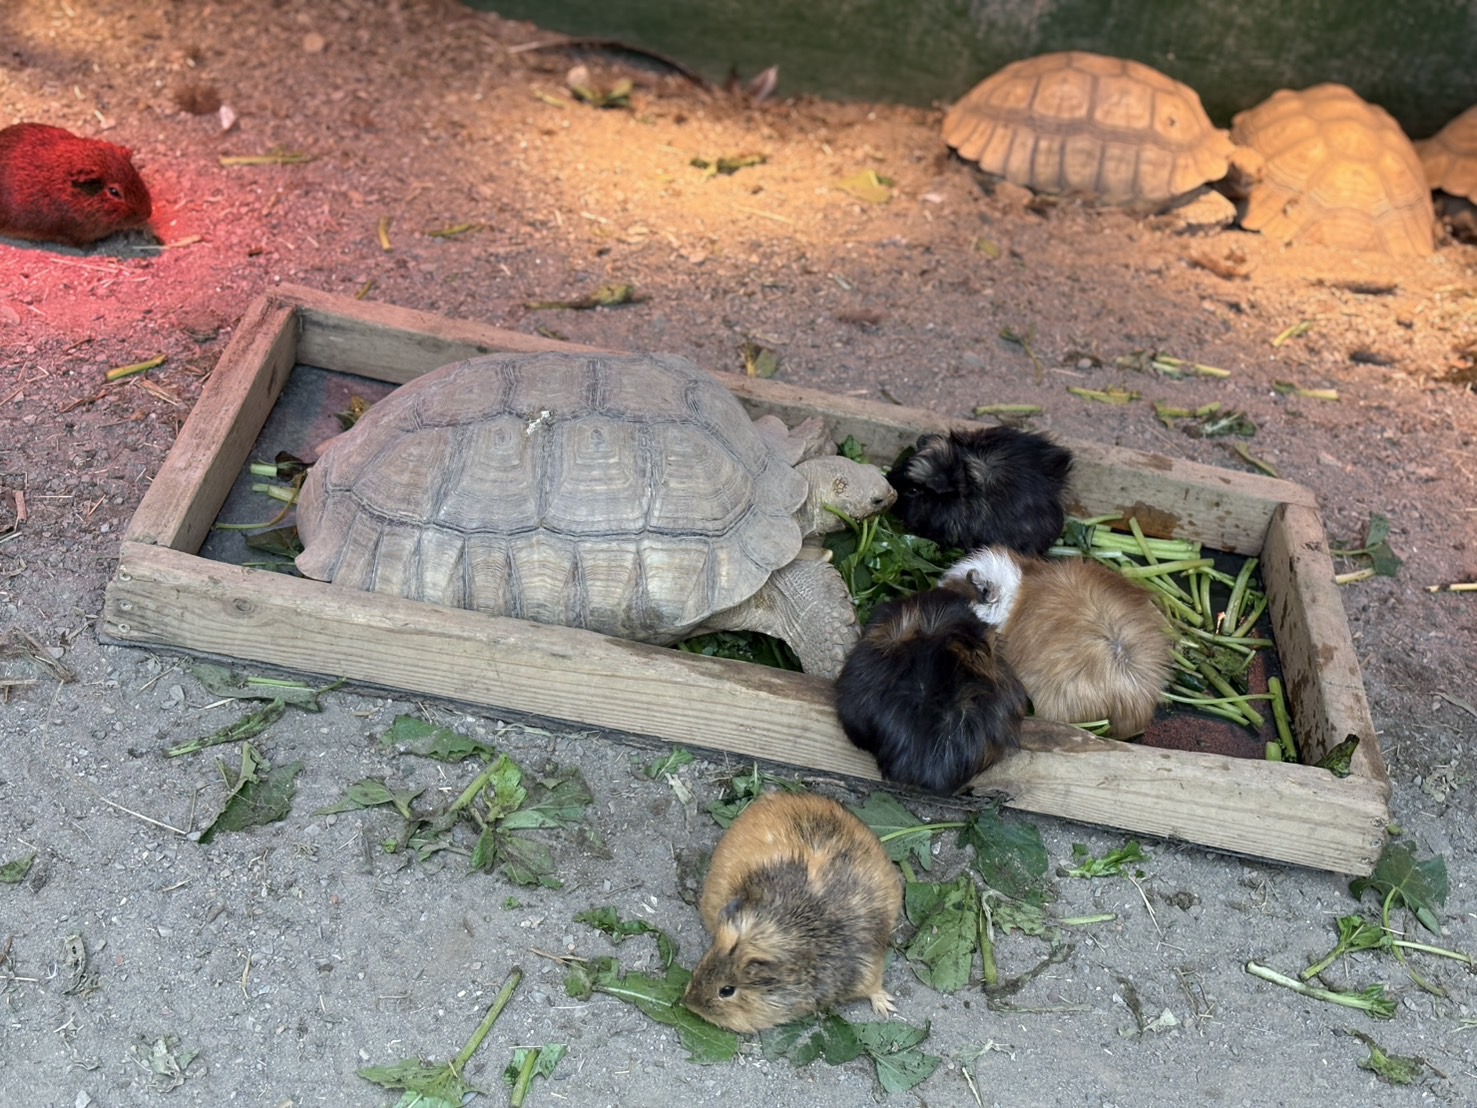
[891, 1045]
[530, 1062]
[606, 296]
[1383, 561]
[1395, 1069]
[443, 1085]
[867, 187]
[743, 790]
[660, 999]
[1401, 881]
[258, 794]
[14, 871]
[726, 166]
[1111, 864]
[903, 834]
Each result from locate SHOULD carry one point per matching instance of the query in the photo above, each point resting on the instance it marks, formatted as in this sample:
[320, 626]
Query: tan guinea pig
[801, 901]
[1086, 642]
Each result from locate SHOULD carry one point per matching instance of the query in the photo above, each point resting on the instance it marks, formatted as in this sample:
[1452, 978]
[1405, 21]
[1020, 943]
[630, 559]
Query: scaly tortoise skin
[1337, 171]
[1114, 130]
[626, 494]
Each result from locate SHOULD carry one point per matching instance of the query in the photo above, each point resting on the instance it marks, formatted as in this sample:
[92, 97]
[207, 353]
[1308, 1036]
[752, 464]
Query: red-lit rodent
[59, 187]
[801, 901]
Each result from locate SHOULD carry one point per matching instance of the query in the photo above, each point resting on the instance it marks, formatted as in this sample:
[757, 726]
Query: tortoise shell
[1449, 157]
[1337, 171]
[1111, 129]
[626, 494]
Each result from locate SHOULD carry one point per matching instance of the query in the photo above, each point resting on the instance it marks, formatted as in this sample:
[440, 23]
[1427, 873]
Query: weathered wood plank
[1171, 498]
[1320, 667]
[162, 597]
[386, 343]
[192, 484]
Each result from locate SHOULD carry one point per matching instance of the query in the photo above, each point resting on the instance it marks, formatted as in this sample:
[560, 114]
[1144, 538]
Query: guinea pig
[926, 692]
[59, 187]
[801, 901]
[1087, 643]
[982, 487]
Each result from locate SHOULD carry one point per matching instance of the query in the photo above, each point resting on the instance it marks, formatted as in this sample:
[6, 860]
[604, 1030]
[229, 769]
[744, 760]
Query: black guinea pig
[984, 487]
[926, 693]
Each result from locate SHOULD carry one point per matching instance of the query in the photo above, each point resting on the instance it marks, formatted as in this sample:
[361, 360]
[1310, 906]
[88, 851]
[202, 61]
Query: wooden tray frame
[165, 595]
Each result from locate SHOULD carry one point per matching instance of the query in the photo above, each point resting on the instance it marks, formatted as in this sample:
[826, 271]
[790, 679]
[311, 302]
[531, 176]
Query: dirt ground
[290, 955]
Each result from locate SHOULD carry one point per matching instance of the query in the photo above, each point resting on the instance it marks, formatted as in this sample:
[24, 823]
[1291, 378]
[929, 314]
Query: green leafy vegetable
[1010, 857]
[670, 763]
[902, 833]
[247, 727]
[371, 793]
[1402, 881]
[892, 1045]
[660, 999]
[1383, 560]
[530, 1062]
[949, 922]
[415, 736]
[609, 920]
[441, 1086]
[1110, 864]
[743, 790]
[1371, 1000]
[222, 682]
[1397, 1069]
[258, 795]
[14, 871]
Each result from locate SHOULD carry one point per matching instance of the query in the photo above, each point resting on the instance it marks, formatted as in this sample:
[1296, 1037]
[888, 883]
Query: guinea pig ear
[86, 182]
[731, 909]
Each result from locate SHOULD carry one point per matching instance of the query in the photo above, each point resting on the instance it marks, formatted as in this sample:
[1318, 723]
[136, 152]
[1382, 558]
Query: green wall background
[1417, 58]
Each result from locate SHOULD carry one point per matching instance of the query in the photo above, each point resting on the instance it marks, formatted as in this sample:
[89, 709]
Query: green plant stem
[990, 971]
[921, 829]
[478, 784]
[1282, 719]
[1244, 627]
[1238, 593]
[1138, 535]
[1201, 702]
[1235, 642]
[1347, 1000]
[1166, 567]
[1421, 982]
[505, 994]
[1084, 921]
[1217, 681]
[525, 1078]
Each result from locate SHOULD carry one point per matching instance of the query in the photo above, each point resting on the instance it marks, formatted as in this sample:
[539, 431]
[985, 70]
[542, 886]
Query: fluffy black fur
[926, 694]
[995, 485]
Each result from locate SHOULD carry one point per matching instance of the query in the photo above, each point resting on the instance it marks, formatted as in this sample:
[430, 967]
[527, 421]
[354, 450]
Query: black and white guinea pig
[982, 487]
[926, 692]
[1087, 643]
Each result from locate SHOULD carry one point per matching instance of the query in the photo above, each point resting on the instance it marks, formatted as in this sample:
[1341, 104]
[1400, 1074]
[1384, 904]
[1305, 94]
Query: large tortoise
[1450, 161]
[1337, 171]
[626, 494]
[1114, 130]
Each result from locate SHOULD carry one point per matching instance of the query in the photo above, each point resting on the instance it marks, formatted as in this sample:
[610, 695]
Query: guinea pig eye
[727, 991]
[115, 192]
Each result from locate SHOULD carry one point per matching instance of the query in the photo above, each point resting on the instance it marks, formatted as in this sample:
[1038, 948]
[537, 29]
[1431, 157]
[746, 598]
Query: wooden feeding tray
[166, 594]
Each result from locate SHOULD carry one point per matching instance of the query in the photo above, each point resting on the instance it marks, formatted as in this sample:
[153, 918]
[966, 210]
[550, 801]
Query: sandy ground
[290, 955]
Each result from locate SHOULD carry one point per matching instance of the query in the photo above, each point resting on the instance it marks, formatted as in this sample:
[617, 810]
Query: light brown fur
[801, 901]
[1088, 644]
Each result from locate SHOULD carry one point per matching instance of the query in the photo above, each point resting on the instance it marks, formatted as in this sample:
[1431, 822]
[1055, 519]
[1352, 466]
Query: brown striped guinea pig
[927, 692]
[984, 487]
[1087, 643]
[801, 901]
